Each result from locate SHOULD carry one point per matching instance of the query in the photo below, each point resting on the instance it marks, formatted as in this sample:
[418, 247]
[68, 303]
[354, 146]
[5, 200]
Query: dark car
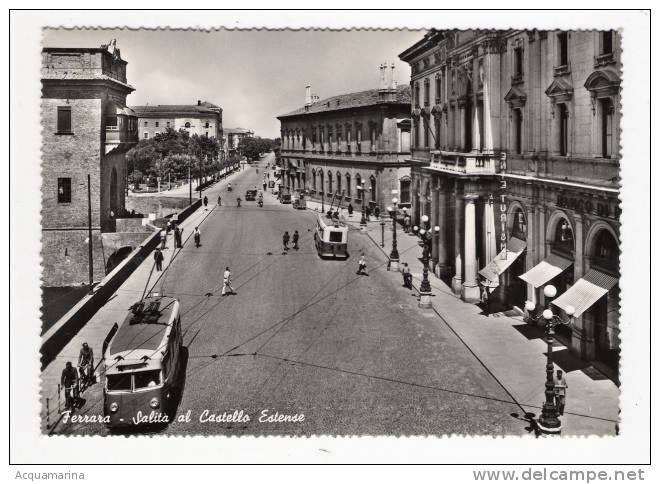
[250, 195]
[285, 198]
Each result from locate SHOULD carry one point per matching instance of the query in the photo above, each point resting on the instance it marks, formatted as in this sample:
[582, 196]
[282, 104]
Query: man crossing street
[295, 240]
[285, 241]
[226, 283]
[158, 258]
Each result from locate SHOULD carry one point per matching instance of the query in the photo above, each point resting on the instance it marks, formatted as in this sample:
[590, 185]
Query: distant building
[362, 139]
[86, 131]
[233, 138]
[203, 119]
[516, 159]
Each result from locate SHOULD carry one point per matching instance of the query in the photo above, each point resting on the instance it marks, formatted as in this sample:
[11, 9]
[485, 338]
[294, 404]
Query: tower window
[64, 190]
[562, 48]
[606, 120]
[606, 42]
[64, 119]
[518, 120]
[563, 129]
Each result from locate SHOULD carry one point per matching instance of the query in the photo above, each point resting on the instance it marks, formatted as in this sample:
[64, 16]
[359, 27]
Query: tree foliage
[251, 148]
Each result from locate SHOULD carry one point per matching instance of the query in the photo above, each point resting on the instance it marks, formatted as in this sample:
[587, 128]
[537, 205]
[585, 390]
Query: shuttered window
[64, 119]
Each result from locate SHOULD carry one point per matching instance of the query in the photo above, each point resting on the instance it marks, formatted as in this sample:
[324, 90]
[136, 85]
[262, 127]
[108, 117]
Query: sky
[254, 75]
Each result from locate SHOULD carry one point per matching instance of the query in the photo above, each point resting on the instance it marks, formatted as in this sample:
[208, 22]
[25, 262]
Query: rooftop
[237, 131]
[352, 100]
[201, 108]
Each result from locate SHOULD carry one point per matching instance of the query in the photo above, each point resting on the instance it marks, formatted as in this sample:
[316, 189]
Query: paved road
[309, 336]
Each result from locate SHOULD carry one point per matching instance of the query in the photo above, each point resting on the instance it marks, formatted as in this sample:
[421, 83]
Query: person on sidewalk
[168, 227]
[158, 258]
[377, 212]
[69, 382]
[350, 210]
[560, 391]
[226, 283]
[206, 202]
[86, 365]
[163, 239]
[362, 266]
[407, 276]
[219, 201]
[295, 240]
[285, 240]
[198, 237]
[238, 201]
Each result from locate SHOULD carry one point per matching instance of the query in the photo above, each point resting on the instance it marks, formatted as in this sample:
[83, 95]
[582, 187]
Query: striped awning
[551, 266]
[586, 291]
[503, 260]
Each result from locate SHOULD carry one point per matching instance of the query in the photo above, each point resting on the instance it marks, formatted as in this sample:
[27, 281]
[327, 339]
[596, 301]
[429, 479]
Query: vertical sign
[503, 206]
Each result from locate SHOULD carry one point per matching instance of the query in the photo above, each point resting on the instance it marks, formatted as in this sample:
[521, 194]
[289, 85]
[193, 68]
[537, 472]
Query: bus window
[335, 236]
[119, 382]
[146, 379]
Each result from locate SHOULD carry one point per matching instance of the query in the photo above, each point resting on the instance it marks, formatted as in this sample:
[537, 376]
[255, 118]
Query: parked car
[285, 198]
[250, 195]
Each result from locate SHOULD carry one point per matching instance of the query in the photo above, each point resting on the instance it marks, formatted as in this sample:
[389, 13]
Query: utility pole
[89, 232]
[189, 184]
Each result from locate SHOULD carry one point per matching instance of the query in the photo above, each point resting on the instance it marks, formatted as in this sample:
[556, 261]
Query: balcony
[477, 163]
[561, 70]
[604, 59]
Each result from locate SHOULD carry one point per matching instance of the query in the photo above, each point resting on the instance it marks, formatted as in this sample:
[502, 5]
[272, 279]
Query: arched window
[606, 252]
[348, 185]
[373, 188]
[329, 181]
[519, 228]
[339, 183]
[563, 241]
[404, 190]
[314, 180]
[358, 183]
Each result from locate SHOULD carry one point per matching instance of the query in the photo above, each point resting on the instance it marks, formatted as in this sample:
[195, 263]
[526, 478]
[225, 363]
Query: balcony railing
[478, 163]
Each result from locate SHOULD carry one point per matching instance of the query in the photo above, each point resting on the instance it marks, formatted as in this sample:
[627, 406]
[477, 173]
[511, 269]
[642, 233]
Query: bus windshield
[146, 379]
[119, 382]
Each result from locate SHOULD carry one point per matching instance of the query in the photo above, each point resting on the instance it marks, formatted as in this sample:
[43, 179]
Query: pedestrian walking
[226, 283]
[219, 201]
[177, 237]
[69, 382]
[158, 258]
[168, 227]
[350, 210]
[377, 212]
[175, 220]
[198, 237]
[238, 201]
[295, 240]
[560, 391]
[206, 201]
[407, 276]
[362, 266]
[265, 186]
[406, 224]
[285, 240]
[485, 296]
[163, 239]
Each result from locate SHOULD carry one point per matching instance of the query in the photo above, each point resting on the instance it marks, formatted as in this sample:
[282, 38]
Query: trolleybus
[143, 363]
[331, 237]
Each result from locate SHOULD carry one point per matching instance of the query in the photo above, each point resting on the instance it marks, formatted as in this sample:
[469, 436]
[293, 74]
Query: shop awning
[545, 270]
[503, 260]
[586, 291]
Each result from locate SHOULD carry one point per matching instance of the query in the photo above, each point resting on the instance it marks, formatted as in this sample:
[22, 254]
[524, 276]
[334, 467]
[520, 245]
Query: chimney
[199, 102]
[308, 95]
[383, 82]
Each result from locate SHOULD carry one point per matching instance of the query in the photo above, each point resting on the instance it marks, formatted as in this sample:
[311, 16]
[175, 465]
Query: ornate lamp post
[394, 255]
[363, 193]
[549, 421]
[427, 240]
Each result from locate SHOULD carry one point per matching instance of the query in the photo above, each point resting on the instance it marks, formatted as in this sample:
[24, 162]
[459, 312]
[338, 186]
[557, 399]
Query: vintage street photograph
[359, 232]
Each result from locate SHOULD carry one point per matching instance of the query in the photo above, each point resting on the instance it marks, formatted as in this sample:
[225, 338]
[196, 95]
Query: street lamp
[394, 255]
[549, 421]
[426, 235]
[364, 190]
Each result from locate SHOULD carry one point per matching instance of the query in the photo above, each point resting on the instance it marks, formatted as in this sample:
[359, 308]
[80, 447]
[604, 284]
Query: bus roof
[327, 222]
[147, 330]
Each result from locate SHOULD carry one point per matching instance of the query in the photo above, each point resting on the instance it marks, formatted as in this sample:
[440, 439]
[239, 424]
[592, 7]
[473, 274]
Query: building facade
[353, 144]
[233, 139]
[203, 119]
[86, 131]
[516, 159]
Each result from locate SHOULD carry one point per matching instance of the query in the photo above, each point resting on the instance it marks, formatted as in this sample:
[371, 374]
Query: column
[461, 128]
[440, 252]
[582, 333]
[457, 280]
[531, 258]
[470, 289]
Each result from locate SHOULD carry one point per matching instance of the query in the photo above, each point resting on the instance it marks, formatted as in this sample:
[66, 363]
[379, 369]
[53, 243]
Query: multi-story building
[516, 159]
[86, 131]
[233, 139]
[203, 119]
[354, 144]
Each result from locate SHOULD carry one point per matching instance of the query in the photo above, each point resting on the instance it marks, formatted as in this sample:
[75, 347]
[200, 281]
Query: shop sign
[582, 205]
[503, 204]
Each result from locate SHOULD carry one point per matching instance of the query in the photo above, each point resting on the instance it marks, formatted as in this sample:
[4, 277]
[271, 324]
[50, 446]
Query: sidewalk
[512, 350]
[114, 311]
